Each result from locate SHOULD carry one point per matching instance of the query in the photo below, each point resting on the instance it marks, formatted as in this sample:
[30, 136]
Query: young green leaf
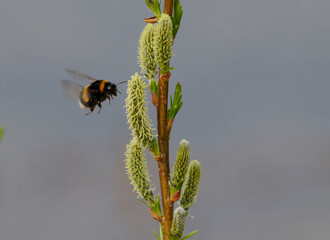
[175, 103]
[155, 206]
[189, 235]
[153, 87]
[161, 232]
[177, 14]
[154, 7]
[156, 234]
[154, 148]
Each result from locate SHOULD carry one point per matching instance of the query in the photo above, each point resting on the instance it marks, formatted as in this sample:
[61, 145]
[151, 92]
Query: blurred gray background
[255, 78]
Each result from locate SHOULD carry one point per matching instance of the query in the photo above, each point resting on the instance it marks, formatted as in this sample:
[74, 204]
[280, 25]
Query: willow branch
[163, 142]
[163, 164]
[168, 6]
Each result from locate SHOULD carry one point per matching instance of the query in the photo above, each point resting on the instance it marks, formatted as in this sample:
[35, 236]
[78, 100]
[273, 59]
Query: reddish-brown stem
[163, 142]
[168, 6]
[163, 163]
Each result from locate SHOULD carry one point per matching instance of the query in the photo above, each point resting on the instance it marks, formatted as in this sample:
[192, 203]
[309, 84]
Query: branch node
[155, 216]
[157, 158]
[153, 19]
[166, 76]
[176, 196]
[154, 99]
[169, 125]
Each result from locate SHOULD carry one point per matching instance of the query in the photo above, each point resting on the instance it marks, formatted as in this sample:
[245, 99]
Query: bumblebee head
[111, 89]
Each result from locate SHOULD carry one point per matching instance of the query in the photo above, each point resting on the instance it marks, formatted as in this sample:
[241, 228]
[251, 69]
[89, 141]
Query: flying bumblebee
[92, 94]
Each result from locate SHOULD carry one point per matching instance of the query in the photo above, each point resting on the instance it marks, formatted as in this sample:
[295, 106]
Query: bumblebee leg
[109, 100]
[92, 109]
[100, 106]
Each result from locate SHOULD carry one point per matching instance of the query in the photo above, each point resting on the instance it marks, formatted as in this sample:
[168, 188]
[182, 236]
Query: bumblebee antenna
[121, 82]
[118, 84]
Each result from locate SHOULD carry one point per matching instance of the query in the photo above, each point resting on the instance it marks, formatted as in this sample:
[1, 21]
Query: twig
[163, 165]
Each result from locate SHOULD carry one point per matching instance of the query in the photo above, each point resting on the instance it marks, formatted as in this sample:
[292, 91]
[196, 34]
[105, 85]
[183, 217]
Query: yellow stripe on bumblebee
[84, 94]
[102, 85]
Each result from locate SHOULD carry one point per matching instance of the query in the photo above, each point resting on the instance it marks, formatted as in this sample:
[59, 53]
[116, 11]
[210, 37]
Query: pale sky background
[255, 79]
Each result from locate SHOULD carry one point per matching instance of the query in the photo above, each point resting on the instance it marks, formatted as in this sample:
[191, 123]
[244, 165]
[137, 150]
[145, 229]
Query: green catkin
[163, 40]
[136, 169]
[146, 53]
[191, 185]
[181, 164]
[136, 109]
[178, 223]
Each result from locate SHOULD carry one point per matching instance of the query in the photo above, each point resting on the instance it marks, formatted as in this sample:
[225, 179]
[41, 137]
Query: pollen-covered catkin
[190, 185]
[163, 40]
[136, 169]
[146, 52]
[136, 109]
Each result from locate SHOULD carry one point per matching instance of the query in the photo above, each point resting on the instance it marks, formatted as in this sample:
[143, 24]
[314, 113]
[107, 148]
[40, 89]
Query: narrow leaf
[156, 234]
[177, 14]
[189, 235]
[175, 102]
[154, 7]
[155, 206]
[161, 231]
[154, 87]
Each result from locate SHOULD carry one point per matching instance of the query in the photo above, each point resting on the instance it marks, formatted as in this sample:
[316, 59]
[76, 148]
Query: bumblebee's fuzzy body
[92, 94]
[95, 93]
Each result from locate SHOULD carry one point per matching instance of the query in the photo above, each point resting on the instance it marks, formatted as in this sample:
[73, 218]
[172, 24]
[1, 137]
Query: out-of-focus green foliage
[1, 132]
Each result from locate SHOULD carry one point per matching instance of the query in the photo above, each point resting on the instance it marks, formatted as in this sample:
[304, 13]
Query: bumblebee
[91, 95]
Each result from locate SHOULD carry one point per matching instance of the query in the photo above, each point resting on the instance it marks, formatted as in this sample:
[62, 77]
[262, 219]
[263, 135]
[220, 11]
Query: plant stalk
[168, 6]
[163, 142]
[163, 163]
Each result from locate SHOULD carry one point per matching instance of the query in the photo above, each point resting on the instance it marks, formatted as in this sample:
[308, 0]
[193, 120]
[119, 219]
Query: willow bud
[163, 40]
[178, 223]
[191, 185]
[136, 169]
[136, 109]
[181, 164]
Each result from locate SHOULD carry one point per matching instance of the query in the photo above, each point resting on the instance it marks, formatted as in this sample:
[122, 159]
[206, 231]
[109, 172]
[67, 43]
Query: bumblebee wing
[80, 75]
[71, 89]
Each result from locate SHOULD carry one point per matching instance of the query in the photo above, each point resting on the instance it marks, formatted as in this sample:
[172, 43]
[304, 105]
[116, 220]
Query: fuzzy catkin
[136, 109]
[163, 40]
[181, 164]
[178, 223]
[146, 52]
[136, 169]
[191, 185]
